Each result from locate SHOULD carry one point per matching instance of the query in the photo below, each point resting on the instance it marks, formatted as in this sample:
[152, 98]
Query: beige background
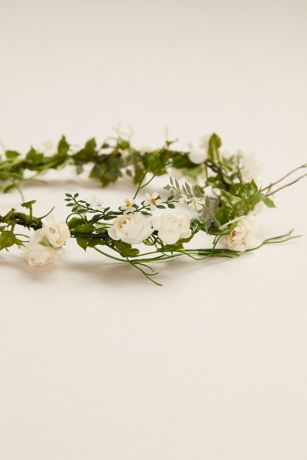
[95, 363]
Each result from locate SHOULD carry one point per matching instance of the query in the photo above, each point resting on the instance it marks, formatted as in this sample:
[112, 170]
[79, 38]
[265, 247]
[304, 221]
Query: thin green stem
[268, 187]
[287, 185]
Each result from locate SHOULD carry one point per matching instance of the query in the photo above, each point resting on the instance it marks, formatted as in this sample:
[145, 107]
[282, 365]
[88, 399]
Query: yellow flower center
[153, 200]
[128, 202]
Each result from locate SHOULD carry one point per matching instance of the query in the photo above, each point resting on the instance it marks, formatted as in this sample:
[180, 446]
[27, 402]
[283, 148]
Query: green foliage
[87, 154]
[11, 154]
[239, 201]
[8, 239]
[125, 249]
[107, 169]
[63, 146]
[213, 148]
[28, 204]
[33, 159]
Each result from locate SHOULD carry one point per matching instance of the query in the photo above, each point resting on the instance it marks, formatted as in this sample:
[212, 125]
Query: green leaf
[182, 161]
[33, 156]
[122, 144]
[86, 154]
[82, 242]
[157, 161]
[28, 204]
[125, 249]
[139, 172]
[84, 228]
[213, 148]
[267, 201]
[11, 154]
[75, 222]
[8, 239]
[108, 168]
[63, 146]
[239, 201]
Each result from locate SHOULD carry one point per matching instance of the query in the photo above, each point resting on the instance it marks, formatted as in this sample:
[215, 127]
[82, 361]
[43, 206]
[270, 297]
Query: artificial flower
[131, 228]
[95, 203]
[196, 203]
[128, 206]
[38, 254]
[171, 227]
[152, 200]
[243, 235]
[249, 167]
[56, 232]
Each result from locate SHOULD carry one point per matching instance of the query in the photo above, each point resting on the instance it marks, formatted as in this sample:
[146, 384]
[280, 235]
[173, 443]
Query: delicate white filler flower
[128, 206]
[171, 227]
[131, 228]
[243, 236]
[248, 165]
[95, 203]
[38, 254]
[199, 154]
[152, 200]
[196, 203]
[57, 233]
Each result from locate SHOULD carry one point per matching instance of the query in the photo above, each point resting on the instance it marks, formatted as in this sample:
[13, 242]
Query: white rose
[38, 254]
[131, 228]
[242, 237]
[57, 233]
[172, 227]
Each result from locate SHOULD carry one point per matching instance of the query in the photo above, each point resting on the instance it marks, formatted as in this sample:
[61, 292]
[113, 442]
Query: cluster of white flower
[134, 227]
[247, 163]
[46, 243]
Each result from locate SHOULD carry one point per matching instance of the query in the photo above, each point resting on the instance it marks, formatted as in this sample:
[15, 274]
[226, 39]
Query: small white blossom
[249, 167]
[128, 206]
[95, 203]
[152, 200]
[131, 228]
[199, 154]
[242, 236]
[171, 227]
[196, 203]
[38, 254]
[57, 233]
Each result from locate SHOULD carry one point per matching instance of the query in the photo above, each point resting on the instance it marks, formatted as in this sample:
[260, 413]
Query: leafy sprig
[108, 161]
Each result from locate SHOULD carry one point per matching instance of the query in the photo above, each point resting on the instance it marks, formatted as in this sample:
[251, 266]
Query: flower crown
[217, 194]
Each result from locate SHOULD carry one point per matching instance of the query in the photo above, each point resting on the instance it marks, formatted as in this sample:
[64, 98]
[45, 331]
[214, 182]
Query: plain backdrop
[95, 362]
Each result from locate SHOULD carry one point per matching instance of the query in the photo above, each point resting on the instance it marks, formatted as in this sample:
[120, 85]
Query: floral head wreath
[219, 191]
